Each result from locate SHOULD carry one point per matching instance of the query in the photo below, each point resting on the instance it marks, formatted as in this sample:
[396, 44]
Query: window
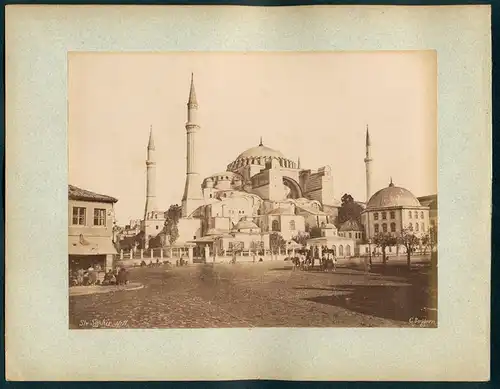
[393, 215]
[423, 227]
[275, 225]
[409, 214]
[393, 227]
[384, 227]
[341, 250]
[348, 250]
[79, 216]
[390, 249]
[350, 234]
[157, 227]
[376, 228]
[416, 227]
[99, 217]
[366, 250]
[384, 215]
[410, 227]
[292, 225]
[422, 215]
[416, 214]
[375, 216]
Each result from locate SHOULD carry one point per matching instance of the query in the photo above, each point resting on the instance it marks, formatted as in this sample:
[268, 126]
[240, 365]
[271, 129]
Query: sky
[313, 105]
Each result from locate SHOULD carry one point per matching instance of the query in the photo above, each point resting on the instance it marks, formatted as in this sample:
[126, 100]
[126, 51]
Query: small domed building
[393, 209]
[351, 229]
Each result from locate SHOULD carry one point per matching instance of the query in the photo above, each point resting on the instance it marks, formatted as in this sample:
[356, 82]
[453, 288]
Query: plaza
[265, 294]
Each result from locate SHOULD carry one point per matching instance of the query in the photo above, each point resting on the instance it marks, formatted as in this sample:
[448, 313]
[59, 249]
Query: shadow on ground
[415, 298]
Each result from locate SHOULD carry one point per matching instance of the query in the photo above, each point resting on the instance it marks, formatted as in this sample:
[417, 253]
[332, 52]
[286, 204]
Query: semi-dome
[246, 225]
[393, 196]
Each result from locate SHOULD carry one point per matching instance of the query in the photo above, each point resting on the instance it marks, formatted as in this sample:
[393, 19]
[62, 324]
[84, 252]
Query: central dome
[260, 151]
[393, 196]
[260, 155]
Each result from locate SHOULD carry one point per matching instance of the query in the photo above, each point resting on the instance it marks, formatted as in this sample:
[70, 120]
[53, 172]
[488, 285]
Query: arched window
[334, 250]
[393, 227]
[384, 227]
[350, 234]
[292, 225]
[376, 228]
[421, 214]
[275, 225]
[348, 250]
[416, 214]
[341, 250]
[384, 215]
[375, 216]
[416, 227]
[410, 227]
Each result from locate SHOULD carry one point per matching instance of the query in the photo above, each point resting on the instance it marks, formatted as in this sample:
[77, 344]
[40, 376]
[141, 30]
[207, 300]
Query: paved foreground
[266, 294]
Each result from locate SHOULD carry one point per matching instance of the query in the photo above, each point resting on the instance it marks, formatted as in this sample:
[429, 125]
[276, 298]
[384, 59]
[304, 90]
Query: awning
[90, 245]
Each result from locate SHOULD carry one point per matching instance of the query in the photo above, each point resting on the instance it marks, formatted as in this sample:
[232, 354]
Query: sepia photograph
[217, 193]
[216, 190]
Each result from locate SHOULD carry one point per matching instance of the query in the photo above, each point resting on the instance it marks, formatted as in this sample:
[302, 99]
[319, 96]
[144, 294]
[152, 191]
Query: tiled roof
[75, 193]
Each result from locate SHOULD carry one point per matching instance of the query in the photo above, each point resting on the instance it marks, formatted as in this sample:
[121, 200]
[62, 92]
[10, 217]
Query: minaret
[298, 163]
[192, 197]
[368, 161]
[151, 177]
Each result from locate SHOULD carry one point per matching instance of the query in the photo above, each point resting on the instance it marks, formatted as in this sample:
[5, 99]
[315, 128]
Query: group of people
[85, 277]
[116, 277]
[305, 260]
[90, 276]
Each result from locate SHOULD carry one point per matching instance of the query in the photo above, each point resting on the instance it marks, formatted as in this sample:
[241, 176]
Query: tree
[384, 240]
[276, 242]
[409, 240]
[433, 237]
[172, 217]
[315, 232]
[349, 210]
[425, 241]
[301, 238]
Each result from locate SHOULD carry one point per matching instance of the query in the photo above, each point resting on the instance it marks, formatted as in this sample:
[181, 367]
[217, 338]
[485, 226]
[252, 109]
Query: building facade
[272, 193]
[90, 233]
[392, 210]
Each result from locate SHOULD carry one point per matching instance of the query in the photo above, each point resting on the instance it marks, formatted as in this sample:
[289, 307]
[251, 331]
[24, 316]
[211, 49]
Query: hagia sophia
[262, 191]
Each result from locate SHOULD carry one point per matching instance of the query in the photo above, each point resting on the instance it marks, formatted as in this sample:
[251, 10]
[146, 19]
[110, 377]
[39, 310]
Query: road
[266, 294]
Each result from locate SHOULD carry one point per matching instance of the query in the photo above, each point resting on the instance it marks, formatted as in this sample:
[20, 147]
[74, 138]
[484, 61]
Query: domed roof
[351, 225]
[393, 196]
[246, 225]
[260, 151]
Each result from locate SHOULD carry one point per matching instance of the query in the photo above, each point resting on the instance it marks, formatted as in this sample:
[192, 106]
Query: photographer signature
[417, 322]
[100, 323]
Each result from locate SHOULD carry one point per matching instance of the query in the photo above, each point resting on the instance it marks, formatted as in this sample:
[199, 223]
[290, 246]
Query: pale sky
[312, 105]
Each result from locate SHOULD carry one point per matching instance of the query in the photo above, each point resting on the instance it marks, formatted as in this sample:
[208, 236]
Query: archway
[292, 188]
